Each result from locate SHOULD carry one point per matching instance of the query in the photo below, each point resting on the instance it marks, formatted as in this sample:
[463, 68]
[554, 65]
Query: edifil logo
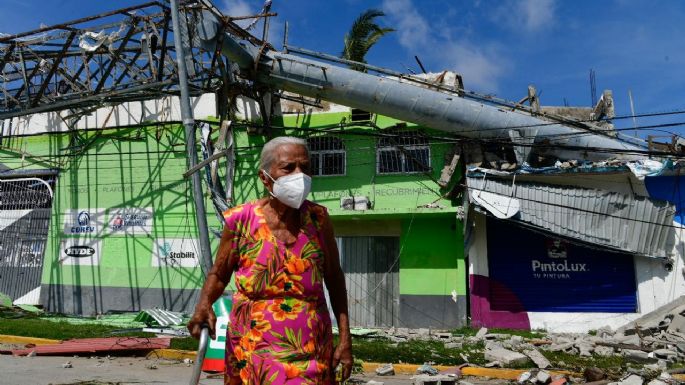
[83, 221]
[563, 267]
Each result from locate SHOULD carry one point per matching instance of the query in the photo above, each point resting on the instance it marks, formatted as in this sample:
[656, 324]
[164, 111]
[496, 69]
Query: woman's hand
[203, 317]
[343, 356]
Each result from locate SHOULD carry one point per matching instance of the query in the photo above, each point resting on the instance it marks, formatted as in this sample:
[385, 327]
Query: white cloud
[412, 28]
[481, 63]
[526, 15]
[247, 8]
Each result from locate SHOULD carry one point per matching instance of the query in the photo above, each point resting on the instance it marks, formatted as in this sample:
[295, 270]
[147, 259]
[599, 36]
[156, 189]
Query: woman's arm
[217, 280]
[335, 283]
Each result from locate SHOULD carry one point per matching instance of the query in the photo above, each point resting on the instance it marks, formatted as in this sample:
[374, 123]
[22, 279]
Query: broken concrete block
[453, 345]
[585, 349]
[562, 347]
[443, 336]
[543, 377]
[656, 382]
[481, 333]
[524, 377]
[506, 357]
[633, 379]
[385, 370]
[604, 351]
[537, 358]
[516, 340]
[665, 354]
[493, 345]
[637, 356]
[631, 339]
[372, 382]
[425, 379]
[67, 365]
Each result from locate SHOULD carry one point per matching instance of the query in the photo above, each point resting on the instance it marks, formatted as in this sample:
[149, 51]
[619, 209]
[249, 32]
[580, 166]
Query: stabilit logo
[83, 220]
[165, 249]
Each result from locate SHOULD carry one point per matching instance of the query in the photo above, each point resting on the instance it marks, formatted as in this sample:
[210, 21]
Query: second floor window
[404, 152]
[327, 155]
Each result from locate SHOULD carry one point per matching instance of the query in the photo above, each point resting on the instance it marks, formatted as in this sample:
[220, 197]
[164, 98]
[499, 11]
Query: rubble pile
[648, 346]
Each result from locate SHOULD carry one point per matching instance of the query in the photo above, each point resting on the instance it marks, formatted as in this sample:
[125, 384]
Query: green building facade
[122, 234]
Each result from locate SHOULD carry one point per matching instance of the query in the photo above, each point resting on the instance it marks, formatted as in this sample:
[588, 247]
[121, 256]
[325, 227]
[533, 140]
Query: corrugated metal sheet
[94, 345]
[161, 317]
[633, 224]
[372, 279]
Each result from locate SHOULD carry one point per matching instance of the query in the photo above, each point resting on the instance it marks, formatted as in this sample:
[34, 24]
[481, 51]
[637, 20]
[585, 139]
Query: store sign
[176, 252]
[80, 251]
[534, 272]
[83, 221]
[130, 221]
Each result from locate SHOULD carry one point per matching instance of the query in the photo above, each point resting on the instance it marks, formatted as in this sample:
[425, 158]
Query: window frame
[403, 156]
[320, 155]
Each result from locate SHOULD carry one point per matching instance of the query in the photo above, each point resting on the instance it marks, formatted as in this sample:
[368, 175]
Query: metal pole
[189, 123]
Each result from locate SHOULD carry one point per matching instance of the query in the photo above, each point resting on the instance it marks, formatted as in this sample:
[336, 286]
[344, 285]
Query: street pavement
[49, 370]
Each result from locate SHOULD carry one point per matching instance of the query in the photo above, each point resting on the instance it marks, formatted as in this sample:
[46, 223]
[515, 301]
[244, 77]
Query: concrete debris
[151, 366]
[537, 358]
[454, 345]
[372, 382]
[481, 333]
[425, 379]
[506, 357]
[656, 382]
[543, 377]
[493, 364]
[385, 370]
[632, 379]
[637, 356]
[67, 365]
[604, 351]
[524, 377]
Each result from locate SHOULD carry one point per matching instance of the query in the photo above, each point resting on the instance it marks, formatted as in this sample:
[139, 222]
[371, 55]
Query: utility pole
[189, 124]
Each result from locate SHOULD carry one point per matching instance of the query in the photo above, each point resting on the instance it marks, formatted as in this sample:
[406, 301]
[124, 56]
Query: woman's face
[289, 159]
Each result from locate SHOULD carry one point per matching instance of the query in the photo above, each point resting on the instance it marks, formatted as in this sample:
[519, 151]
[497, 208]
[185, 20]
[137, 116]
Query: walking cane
[201, 351]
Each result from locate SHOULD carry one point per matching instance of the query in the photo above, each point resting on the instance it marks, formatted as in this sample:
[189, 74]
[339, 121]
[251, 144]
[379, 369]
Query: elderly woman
[281, 249]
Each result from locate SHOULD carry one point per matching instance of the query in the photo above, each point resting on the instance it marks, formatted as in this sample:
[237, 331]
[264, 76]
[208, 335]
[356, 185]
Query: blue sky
[499, 46]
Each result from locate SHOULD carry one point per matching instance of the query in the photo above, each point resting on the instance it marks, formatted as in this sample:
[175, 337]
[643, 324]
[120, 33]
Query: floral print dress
[280, 328]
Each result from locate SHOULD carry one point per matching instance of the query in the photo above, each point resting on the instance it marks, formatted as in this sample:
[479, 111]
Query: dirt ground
[44, 370]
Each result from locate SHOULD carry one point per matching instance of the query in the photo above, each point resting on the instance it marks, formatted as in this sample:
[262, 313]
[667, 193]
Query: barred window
[327, 155]
[404, 152]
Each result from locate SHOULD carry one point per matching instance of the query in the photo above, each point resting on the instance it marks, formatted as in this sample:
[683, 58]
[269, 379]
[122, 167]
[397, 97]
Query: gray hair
[269, 150]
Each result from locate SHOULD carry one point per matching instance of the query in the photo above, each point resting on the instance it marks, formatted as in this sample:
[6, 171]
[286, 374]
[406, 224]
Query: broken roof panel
[628, 223]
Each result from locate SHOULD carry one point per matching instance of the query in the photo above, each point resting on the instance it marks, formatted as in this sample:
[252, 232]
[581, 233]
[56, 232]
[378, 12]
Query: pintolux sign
[563, 267]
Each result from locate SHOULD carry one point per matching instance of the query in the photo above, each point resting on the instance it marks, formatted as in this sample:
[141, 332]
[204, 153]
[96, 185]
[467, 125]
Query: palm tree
[362, 36]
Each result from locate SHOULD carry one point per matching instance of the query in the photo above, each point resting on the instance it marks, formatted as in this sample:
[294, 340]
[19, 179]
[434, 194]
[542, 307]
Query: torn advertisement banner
[502, 207]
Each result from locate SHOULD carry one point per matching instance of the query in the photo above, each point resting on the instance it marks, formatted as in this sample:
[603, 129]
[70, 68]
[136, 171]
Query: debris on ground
[386, 370]
[425, 379]
[95, 345]
[67, 365]
[426, 369]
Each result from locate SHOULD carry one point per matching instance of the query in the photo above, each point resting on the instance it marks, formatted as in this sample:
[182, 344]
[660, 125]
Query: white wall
[158, 110]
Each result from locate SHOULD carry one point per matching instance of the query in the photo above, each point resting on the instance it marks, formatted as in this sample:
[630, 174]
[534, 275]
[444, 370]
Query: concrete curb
[8, 339]
[172, 354]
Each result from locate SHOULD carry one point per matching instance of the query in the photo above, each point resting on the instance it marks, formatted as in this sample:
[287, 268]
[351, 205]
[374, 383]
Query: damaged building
[447, 204]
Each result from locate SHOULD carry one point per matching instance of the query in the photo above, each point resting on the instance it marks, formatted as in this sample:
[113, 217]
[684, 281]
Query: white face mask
[291, 189]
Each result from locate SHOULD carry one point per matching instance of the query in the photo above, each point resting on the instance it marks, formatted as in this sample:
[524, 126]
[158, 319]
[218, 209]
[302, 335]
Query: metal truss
[123, 55]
